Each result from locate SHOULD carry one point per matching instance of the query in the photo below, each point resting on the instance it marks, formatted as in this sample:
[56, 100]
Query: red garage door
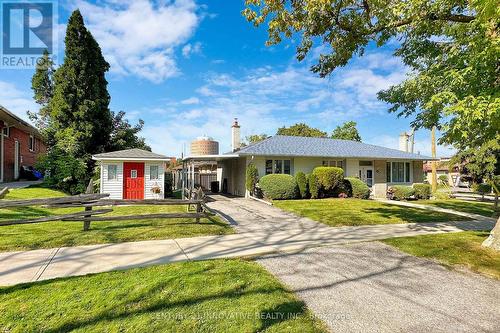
[133, 180]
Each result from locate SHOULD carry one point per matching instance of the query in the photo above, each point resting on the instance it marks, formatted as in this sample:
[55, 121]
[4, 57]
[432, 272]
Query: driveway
[371, 287]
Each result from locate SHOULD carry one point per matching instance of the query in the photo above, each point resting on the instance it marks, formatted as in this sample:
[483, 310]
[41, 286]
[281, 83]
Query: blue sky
[187, 68]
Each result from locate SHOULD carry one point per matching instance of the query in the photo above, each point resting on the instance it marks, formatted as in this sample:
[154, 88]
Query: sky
[188, 68]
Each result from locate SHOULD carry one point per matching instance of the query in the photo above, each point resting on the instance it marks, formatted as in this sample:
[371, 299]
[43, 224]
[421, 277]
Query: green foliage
[42, 84]
[124, 135]
[443, 179]
[79, 108]
[254, 138]
[313, 186]
[301, 129]
[252, 177]
[347, 131]
[442, 195]
[357, 188]
[64, 172]
[480, 163]
[301, 180]
[482, 188]
[402, 192]
[328, 179]
[279, 186]
[422, 191]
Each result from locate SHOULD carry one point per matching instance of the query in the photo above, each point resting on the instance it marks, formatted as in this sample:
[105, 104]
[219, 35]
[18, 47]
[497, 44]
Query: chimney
[235, 136]
[403, 141]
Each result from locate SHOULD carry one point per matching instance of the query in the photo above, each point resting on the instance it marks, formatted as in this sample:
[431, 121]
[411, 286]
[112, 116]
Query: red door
[133, 180]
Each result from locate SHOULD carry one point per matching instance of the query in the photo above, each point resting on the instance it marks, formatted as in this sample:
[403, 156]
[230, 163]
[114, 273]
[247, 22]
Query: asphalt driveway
[371, 287]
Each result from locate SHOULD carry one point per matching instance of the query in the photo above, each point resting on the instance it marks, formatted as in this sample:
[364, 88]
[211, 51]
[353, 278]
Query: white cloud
[190, 49]
[140, 37]
[15, 100]
[190, 101]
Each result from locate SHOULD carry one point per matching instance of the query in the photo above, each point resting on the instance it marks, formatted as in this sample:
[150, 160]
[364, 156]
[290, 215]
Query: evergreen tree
[347, 131]
[124, 135]
[79, 108]
[42, 85]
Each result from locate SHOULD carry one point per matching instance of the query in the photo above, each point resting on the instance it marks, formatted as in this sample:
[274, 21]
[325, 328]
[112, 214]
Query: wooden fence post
[90, 190]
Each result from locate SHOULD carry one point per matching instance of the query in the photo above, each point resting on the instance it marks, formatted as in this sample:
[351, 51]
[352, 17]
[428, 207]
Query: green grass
[56, 234]
[474, 207]
[203, 296]
[353, 212]
[462, 249]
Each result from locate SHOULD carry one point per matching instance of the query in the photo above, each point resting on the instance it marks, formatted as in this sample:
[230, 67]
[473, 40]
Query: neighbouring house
[132, 174]
[20, 145]
[377, 166]
[443, 168]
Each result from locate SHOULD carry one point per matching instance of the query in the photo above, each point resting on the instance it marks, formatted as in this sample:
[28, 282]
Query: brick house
[20, 145]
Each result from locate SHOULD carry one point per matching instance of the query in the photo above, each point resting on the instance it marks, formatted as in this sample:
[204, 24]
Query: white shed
[132, 174]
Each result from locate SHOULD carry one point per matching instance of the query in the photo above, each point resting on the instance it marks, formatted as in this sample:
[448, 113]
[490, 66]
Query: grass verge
[204, 296]
[473, 207]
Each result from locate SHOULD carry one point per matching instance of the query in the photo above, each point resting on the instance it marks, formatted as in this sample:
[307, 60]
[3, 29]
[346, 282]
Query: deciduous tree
[301, 129]
[347, 131]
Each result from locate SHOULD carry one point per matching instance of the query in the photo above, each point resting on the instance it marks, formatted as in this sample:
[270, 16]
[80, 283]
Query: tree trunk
[493, 241]
[433, 163]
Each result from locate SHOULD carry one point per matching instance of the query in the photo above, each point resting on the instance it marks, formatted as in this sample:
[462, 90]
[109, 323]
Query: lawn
[353, 212]
[462, 249]
[474, 207]
[204, 296]
[56, 234]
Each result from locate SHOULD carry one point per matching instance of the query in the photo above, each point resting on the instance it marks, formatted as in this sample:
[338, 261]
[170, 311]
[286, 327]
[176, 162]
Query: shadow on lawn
[412, 215]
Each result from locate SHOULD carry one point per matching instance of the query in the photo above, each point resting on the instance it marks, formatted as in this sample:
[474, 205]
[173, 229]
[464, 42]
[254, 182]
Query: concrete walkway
[262, 229]
[371, 287]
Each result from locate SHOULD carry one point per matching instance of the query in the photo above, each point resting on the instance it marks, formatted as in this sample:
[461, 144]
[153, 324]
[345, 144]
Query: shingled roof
[129, 154]
[280, 145]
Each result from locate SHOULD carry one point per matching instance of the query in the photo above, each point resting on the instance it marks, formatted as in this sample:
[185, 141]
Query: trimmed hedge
[279, 186]
[328, 177]
[422, 191]
[402, 192]
[357, 188]
[301, 180]
[313, 186]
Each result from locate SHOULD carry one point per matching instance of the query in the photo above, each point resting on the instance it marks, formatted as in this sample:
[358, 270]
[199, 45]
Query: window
[336, 163]
[388, 171]
[112, 174]
[278, 166]
[365, 163]
[398, 172]
[153, 172]
[31, 143]
[133, 173]
[6, 131]
[286, 167]
[269, 167]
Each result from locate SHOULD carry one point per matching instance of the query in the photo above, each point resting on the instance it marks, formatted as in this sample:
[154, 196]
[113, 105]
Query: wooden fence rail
[88, 201]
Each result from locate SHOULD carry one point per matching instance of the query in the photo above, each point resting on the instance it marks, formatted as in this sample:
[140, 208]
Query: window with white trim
[31, 143]
[278, 166]
[153, 172]
[334, 163]
[6, 131]
[112, 172]
[398, 172]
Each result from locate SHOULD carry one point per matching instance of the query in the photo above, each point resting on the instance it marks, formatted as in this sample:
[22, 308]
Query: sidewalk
[37, 265]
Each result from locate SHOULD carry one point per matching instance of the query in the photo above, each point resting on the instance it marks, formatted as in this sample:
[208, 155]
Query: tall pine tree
[42, 84]
[79, 108]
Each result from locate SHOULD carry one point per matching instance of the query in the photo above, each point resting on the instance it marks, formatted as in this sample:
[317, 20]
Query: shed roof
[131, 154]
[280, 145]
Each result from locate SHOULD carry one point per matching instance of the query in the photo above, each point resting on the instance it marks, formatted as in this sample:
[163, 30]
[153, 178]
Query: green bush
[301, 180]
[481, 188]
[356, 188]
[402, 192]
[278, 186]
[443, 179]
[313, 186]
[252, 177]
[328, 179]
[422, 191]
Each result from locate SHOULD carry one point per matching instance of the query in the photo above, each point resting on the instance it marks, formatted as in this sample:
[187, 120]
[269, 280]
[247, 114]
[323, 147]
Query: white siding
[352, 168]
[113, 187]
[148, 183]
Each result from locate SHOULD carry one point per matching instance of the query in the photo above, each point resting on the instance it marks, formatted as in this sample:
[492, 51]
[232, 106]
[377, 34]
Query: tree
[79, 109]
[42, 84]
[347, 131]
[124, 135]
[254, 138]
[301, 129]
[451, 48]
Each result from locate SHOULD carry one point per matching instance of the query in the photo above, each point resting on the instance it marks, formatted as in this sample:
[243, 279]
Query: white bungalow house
[379, 167]
[132, 174]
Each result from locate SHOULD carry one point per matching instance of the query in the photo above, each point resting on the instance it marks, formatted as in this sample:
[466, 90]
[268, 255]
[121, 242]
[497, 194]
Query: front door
[366, 175]
[133, 180]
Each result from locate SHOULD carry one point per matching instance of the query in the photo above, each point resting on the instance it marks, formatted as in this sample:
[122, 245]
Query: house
[132, 174]
[20, 145]
[377, 166]
[444, 168]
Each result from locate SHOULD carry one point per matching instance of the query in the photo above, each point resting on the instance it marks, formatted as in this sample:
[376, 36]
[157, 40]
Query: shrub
[313, 186]
[443, 179]
[328, 180]
[481, 188]
[277, 186]
[252, 177]
[422, 191]
[401, 192]
[442, 195]
[356, 188]
[301, 180]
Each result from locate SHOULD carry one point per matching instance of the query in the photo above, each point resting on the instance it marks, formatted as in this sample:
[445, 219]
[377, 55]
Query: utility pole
[433, 164]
